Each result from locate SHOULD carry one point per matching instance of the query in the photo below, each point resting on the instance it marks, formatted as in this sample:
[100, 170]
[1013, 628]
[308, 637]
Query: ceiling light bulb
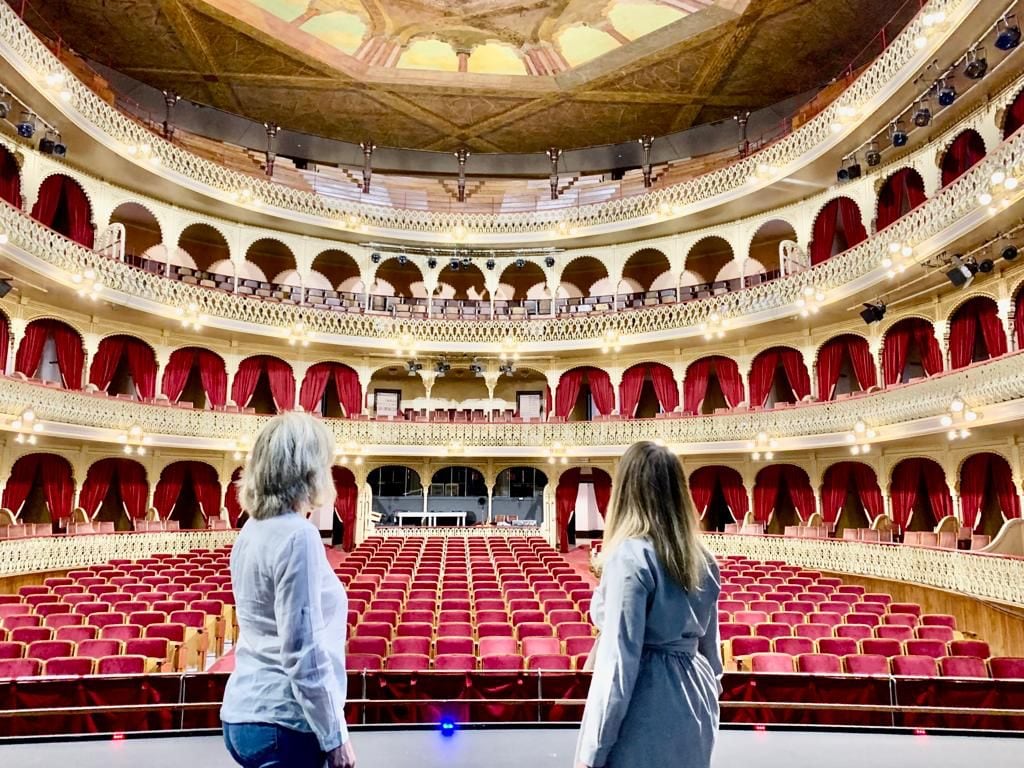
[906, 251]
[998, 176]
[854, 450]
[860, 426]
[1010, 183]
[768, 456]
[965, 432]
[755, 455]
[957, 405]
[984, 198]
[951, 434]
[946, 420]
[850, 437]
[872, 434]
[970, 415]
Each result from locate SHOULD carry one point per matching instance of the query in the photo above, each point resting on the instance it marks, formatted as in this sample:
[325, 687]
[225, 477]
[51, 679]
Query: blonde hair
[289, 468]
[649, 501]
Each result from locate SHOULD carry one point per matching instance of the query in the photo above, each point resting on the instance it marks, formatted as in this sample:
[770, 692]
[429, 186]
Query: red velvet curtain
[206, 488]
[279, 374]
[963, 330]
[231, 498]
[10, 179]
[5, 341]
[830, 361]
[168, 488]
[974, 481]
[666, 388]
[565, 503]
[769, 484]
[897, 344]
[702, 489]
[823, 235]
[1014, 116]
[695, 384]
[104, 362]
[1018, 319]
[601, 390]
[837, 483]
[602, 491]
[176, 372]
[212, 373]
[141, 363]
[967, 150]
[70, 356]
[762, 374]
[906, 480]
[345, 504]
[629, 390]
[132, 485]
[901, 193]
[53, 472]
[346, 381]
[62, 195]
[567, 392]
[350, 393]
[314, 386]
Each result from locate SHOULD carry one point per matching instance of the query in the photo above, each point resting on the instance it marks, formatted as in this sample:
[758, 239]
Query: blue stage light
[447, 727]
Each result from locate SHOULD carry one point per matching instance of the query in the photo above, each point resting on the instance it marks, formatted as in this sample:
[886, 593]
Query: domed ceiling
[490, 75]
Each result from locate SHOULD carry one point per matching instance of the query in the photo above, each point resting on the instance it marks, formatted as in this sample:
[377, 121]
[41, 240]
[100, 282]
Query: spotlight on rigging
[986, 265]
[520, 263]
[1007, 33]
[549, 262]
[375, 257]
[414, 367]
[454, 264]
[467, 261]
[947, 92]
[873, 312]
[27, 124]
[977, 65]
[431, 263]
[490, 264]
[922, 113]
[402, 259]
[47, 143]
[60, 149]
[850, 169]
[872, 154]
[1010, 252]
[963, 272]
[898, 134]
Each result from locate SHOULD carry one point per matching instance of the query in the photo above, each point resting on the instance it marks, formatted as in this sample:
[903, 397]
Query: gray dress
[653, 700]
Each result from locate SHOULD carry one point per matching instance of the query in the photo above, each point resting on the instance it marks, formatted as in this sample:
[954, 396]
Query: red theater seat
[962, 666]
[772, 631]
[11, 650]
[407, 662]
[14, 668]
[894, 632]
[838, 646]
[934, 648]
[881, 647]
[49, 649]
[819, 664]
[497, 646]
[813, 631]
[747, 646]
[547, 661]
[363, 662]
[979, 649]
[455, 662]
[941, 633]
[411, 645]
[507, 663]
[68, 666]
[76, 633]
[854, 631]
[914, 666]
[121, 665]
[793, 646]
[1007, 668]
[771, 662]
[871, 665]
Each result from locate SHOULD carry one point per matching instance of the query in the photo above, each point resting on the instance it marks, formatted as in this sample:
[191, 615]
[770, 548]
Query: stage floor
[540, 748]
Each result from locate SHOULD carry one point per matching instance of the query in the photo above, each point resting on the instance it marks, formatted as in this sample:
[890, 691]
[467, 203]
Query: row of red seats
[819, 630]
[411, 662]
[741, 647]
[880, 665]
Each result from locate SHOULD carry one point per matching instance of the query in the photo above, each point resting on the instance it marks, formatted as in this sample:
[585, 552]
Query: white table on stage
[430, 518]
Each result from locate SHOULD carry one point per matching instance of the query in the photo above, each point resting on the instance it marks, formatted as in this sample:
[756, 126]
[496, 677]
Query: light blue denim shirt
[292, 614]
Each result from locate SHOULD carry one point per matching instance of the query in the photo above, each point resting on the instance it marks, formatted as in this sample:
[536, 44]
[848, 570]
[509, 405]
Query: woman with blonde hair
[653, 699]
[285, 701]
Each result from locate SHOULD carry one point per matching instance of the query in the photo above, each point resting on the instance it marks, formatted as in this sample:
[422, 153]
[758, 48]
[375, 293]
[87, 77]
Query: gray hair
[289, 468]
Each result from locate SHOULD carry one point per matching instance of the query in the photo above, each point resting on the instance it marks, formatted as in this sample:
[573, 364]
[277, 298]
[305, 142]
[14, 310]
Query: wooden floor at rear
[543, 748]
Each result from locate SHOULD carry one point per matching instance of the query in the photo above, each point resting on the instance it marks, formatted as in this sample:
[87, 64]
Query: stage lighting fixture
[1010, 252]
[549, 261]
[431, 263]
[872, 154]
[454, 264]
[922, 114]
[60, 149]
[873, 312]
[490, 264]
[466, 261]
[849, 171]
[1007, 33]
[47, 143]
[977, 65]
[963, 272]
[375, 257]
[402, 259]
[986, 265]
[947, 93]
[27, 125]
[413, 367]
[5, 286]
[447, 727]
[520, 263]
[898, 134]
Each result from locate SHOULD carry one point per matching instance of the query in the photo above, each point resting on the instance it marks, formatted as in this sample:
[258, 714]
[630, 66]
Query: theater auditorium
[490, 245]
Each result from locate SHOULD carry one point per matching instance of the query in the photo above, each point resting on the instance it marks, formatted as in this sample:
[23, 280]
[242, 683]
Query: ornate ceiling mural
[490, 75]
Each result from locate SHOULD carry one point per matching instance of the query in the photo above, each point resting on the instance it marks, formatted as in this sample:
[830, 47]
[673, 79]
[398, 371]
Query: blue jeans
[262, 745]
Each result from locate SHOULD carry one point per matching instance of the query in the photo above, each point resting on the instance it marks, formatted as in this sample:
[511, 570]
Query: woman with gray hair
[285, 701]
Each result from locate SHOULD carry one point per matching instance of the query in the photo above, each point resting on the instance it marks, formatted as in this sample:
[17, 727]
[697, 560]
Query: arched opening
[988, 495]
[334, 280]
[395, 489]
[522, 291]
[778, 375]
[235, 514]
[837, 228]
[400, 278]
[457, 494]
[975, 333]
[782, 497]
[581, 503]
[706, 259]
[584, 393]
[198, 376]
[522, 393]
[266, 262]
[204, 246]
[966, 151]
[141, 229]
[850, 496]
[396, 390]
[910, 351]
[343, 521]
[845, 366]
[40, 489]
[519, 496]
[188, 492]
[115, 491]
[1014, 117]
[647, 279]
[331, 390]
[10, 178]
[719, 497]
[585, 287]
[124, 366]
[710, 384]
[51, 351]
[63, 206]
[764, 259]
[648, 389]
[264, 384]
[459, 394]
[920, 495]
[899, 195]
[460, 281]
